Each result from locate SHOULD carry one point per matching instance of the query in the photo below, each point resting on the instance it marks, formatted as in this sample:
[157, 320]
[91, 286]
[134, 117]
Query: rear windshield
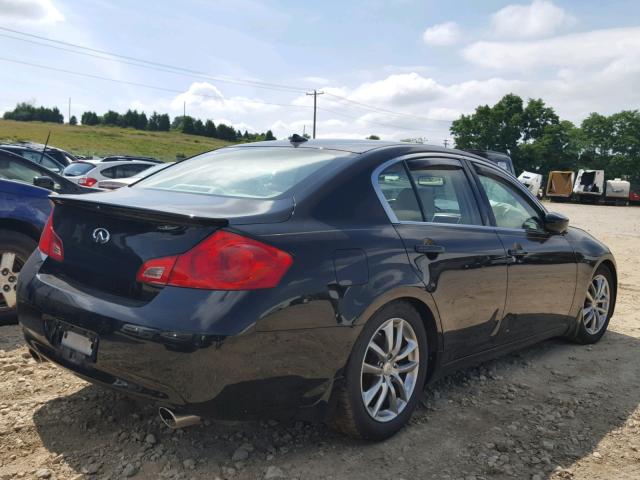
[77, 169]
[251, 172]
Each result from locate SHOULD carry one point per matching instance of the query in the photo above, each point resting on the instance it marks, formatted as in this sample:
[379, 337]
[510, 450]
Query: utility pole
[304, 130]
[69, 117]
[446, 142]
[184, 110]
[315, 100]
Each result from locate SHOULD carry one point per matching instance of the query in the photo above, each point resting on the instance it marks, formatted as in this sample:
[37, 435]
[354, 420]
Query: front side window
[510, 208]
[18, 172]
[247, 172]
[396, 187]
[445, 194]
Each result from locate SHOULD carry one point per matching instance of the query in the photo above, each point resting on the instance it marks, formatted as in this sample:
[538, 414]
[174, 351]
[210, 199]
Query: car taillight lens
[50, 243]
[87, 181]
[223, 261]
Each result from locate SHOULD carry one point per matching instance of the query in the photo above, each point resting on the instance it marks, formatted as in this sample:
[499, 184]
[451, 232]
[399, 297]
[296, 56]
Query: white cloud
[316, 80]
[579, 50]
[30, 11]
[204, 97]
[443, 34]
[540, 18]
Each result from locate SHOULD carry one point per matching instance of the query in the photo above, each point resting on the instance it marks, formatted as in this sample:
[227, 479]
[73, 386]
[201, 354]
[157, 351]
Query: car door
[460, 260]
[542, 265]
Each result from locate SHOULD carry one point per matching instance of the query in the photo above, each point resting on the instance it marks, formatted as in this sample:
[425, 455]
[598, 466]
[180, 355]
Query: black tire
[351, 416]
[582, 334]
[22, 246]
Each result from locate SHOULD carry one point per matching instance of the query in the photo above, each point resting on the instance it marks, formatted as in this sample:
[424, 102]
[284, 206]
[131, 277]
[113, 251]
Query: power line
[141, 62]
[388, 125]
[365, 106]
[168, 68]
[144, 85]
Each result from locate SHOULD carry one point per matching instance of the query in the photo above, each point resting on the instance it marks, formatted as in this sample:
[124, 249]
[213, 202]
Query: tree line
[539, 141]
[25, 112]
[156, 122]
[161, 122]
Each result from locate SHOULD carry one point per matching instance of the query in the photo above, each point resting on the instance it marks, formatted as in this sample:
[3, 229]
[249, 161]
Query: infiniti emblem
[101, 236]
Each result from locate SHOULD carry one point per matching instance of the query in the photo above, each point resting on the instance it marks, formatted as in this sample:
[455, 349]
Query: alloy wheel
[389, 369]
[10, 265]
[596, 304]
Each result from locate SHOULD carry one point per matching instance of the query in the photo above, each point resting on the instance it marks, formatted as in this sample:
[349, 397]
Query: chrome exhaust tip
[174, 420]
[36, 356]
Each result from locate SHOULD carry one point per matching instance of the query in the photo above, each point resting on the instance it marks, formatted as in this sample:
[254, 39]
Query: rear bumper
[207, 371]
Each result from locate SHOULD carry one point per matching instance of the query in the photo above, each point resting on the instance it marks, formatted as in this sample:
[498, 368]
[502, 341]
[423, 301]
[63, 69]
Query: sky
[397, 68]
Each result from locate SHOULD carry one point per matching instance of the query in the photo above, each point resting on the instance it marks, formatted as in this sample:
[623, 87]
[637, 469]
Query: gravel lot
[555, 410]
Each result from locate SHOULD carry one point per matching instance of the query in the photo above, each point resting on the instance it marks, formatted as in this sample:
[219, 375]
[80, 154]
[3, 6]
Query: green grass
[102, 141]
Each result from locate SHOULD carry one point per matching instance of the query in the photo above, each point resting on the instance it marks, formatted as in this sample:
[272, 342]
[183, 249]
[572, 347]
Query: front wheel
[15, 248]
[597, 307]
[385, 374]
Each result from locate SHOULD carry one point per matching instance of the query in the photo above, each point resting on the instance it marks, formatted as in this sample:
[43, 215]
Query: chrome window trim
[413, 156]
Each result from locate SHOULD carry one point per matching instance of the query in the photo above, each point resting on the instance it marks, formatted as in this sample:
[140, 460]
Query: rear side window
[249, 172]
[109, 172]
[396, 187]
[445, 193]
[77, 169]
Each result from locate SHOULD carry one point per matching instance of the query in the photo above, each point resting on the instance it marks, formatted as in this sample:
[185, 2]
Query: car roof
[347, 145]
[105, 165]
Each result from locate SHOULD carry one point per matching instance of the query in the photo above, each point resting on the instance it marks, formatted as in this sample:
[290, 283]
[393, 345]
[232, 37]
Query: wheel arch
[610, 264]
[20, 226]
[423, 303]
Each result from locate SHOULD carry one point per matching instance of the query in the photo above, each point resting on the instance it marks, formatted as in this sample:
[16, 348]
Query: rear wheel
[15, 248]
[597, 307]
[385, 374]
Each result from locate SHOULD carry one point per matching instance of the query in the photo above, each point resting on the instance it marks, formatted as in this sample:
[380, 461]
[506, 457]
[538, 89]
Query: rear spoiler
[138, 213]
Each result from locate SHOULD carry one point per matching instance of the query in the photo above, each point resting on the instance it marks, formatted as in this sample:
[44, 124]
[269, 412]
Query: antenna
[45, 146]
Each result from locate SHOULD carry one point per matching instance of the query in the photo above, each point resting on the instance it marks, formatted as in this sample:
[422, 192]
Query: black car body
[346, 241]
[39, 157]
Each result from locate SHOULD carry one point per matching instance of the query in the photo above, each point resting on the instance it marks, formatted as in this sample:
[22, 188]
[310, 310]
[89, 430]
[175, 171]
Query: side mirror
[44, 182]
[556, 222]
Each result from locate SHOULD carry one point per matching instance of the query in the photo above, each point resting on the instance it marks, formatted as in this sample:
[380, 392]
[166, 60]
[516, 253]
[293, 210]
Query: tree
[210, 129]
[111, 118]
[535, 117]
[269, 135]
[198, 127]
[90, 118]
[225, 132]
[373, 137]
[141, 122]
[73, 120]
[164, 123]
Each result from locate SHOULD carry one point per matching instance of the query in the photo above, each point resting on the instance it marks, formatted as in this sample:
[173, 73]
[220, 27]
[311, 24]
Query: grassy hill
[101, 141]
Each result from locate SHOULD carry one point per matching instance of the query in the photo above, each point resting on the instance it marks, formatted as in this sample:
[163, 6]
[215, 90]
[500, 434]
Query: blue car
[24, 207]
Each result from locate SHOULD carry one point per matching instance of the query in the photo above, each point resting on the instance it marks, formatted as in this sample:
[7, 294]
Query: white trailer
[617, 191]
[589, 185]
[533, 182]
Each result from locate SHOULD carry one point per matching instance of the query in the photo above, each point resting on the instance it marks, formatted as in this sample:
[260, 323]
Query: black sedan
[320, 279]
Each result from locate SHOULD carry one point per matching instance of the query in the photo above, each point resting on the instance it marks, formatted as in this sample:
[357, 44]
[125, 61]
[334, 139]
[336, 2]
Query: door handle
[517, 252]
[429, 248]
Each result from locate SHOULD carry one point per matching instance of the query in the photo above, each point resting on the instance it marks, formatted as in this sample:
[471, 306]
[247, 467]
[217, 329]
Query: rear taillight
[87, 181]
[50, 243]
[223, 261]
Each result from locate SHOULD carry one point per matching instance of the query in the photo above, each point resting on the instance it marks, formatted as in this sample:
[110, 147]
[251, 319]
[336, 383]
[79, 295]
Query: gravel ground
[555, 410]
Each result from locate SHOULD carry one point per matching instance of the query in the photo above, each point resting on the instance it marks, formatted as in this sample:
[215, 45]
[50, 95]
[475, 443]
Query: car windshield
[77, 169]
[250, 172]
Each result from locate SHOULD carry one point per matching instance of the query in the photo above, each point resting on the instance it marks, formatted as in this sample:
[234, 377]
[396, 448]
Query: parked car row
[29, 174]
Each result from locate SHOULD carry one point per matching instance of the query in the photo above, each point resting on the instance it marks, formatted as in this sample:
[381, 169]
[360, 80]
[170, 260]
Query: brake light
[223, 261]
[87, 181]
[50, 243]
